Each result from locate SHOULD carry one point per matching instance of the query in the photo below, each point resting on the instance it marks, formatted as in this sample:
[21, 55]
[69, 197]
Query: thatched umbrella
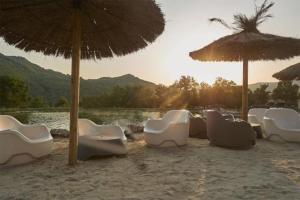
[248, 44]
[87, 29]
[289, 74]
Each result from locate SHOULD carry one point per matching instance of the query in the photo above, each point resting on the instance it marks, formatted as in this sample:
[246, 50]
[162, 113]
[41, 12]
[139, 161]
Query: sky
[187, 29]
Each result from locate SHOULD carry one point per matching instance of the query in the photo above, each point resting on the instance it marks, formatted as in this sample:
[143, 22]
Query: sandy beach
[271, 170]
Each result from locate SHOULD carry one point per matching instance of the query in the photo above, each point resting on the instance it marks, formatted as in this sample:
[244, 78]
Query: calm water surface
[60, 120]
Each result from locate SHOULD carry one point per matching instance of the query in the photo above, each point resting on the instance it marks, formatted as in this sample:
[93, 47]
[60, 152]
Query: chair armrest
[241, 126]
[34, 127]
[110, 130]
[178, 130]
[273, 126]
[253, 119]
[178, 124]
[270, 126]
[288, 135]
[155, 124]
[11, 133]
[34, 131]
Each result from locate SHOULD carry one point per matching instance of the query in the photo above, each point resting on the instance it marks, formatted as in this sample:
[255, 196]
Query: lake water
[60, 120]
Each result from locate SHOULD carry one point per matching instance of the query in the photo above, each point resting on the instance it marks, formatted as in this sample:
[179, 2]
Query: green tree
[145, 97]
[222, 92]
[13, 92]
[223, 83]
[39, 102]
[62, 102]
[286, 91]
[235, 97]
[120, 96]
[168, 96]
[261, 95]
[188, 91]
[204, 94]
[161, 92]
[186, 83]
[95, 101]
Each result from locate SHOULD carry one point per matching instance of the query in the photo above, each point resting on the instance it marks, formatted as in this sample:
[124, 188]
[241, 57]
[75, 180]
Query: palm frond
[221, 21]
[261, 12]
[249, 24]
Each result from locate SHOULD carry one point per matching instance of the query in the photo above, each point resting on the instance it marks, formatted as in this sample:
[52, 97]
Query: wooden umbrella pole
[75, 83]
[245, 91]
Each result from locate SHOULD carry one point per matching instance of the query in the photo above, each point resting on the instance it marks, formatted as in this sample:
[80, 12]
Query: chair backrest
[213, 115]
[8, 122]
[284, 117]
[259, 113]
[205, 112]
[179, 116]
[215, 124]
[228, 117]
[85, 127]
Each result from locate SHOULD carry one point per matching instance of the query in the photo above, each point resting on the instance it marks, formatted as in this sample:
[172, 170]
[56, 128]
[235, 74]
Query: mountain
[272, 85]
[51, 84]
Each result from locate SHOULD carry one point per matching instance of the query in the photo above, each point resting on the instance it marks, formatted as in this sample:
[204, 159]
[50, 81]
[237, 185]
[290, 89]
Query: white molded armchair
[283, 123]
[21, 143]
[256, 115]
[171, 130]
[100, 140]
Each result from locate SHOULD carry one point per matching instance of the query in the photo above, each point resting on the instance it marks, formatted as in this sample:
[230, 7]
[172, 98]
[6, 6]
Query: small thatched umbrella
[248, 44]
[289, 74]
[87, 29]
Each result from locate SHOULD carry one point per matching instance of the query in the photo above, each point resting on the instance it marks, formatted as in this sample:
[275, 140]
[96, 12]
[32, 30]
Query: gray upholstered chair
[198, 128]
[235, 134]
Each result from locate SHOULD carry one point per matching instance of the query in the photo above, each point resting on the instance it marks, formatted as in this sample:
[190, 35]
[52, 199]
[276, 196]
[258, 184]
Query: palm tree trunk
[245, 90]
[75, 83]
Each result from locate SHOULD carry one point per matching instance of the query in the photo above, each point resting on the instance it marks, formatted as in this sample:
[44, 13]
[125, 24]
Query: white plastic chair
[283, 123]
[256, 115]
[21, 143]
[100, 140]
[171, 130]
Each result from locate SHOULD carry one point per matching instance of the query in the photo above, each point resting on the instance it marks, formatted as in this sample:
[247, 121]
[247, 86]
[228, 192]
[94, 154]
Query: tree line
[188, 93]
[184, 93]
[14, 94]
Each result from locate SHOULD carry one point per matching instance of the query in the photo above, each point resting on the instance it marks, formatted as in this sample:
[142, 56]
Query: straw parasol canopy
[289, 74]
[251, 45]
[108, 27]
[248, 44]
[80, 29]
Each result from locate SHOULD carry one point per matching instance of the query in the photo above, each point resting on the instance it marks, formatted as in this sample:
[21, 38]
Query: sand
[198, 171]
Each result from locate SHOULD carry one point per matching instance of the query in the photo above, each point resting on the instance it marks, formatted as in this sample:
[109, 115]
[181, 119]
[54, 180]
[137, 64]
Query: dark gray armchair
[235, 134]
[198, 128]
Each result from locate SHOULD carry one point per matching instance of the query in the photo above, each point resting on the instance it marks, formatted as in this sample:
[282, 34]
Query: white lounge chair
[100, 140]
[283, 123]
[171, 130]
[256, 115]
[21, 143]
